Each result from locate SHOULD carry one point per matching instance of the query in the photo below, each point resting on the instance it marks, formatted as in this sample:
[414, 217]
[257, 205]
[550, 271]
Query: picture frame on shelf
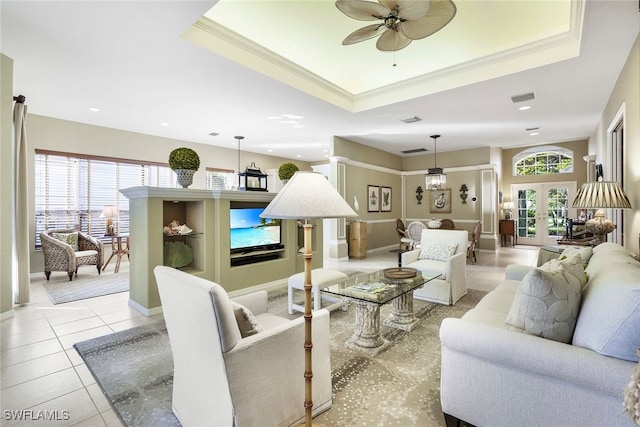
[440, 201]
[385, 199]
[373, 198]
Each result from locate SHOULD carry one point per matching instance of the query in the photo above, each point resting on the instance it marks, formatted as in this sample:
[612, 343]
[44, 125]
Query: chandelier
[435, 179]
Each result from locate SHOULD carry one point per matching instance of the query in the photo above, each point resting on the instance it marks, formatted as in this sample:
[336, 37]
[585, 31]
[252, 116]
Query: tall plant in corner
[184, 162]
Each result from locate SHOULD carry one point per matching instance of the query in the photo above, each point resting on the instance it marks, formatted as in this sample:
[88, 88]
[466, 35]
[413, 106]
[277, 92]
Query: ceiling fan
[402, 20]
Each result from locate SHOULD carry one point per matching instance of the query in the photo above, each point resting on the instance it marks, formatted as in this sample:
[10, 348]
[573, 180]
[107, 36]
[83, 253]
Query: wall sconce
[463, 193]
[419, 194]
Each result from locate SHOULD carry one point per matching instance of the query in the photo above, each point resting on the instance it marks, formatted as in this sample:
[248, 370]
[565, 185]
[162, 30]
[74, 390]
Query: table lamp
[308, 195]
[508, 207]
[600, 195]
[110, 212]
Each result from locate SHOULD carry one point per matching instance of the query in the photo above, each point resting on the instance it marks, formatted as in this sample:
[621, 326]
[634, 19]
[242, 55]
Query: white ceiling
[143, 64]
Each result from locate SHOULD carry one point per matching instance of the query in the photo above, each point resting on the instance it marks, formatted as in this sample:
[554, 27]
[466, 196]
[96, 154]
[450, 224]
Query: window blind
[71, 190]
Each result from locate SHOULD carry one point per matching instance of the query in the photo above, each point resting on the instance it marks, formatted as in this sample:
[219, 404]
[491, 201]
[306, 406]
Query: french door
[542, 210]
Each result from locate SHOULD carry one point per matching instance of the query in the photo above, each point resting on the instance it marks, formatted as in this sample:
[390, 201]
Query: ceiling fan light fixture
[400, 21]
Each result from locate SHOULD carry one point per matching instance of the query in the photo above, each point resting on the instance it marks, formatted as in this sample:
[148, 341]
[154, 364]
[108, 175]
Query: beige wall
[626, 92]
[47, 133]
[6, 189]
[447, 159]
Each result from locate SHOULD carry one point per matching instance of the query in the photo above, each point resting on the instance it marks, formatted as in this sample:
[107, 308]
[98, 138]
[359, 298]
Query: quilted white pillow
[437, 251]
[548, 300]
[247, 322]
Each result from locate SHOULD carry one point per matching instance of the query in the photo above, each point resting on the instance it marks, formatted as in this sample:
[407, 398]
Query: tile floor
[41, 372]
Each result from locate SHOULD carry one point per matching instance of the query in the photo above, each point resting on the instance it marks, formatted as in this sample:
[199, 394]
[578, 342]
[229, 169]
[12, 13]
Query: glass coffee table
[368, 292]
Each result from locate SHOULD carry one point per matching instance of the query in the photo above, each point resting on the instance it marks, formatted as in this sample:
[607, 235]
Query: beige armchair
[68, 251]
[224, 379]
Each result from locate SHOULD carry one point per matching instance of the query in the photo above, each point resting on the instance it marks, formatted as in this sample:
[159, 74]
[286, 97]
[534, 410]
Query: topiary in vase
[184, 162]
[286, 171]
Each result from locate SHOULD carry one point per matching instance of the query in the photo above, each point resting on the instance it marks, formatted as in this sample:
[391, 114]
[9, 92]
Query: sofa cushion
[583, 252]
[68, 238]
[437, 251]
[548, 299]
[610, 314]
[247, 322]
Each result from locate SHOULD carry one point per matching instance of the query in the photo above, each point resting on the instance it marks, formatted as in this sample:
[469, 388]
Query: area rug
[79, 289]
[398, 387]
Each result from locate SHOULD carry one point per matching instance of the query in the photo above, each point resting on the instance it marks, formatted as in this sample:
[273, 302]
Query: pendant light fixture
[435, 179]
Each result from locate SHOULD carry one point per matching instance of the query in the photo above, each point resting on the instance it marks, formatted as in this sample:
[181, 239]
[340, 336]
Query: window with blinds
[71, 190]
[220, 179]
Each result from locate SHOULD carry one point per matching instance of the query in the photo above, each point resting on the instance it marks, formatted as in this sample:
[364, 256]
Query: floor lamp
[600, 195]
[308, 195]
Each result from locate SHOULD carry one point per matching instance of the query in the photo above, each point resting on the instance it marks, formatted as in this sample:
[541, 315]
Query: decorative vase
[185, 177]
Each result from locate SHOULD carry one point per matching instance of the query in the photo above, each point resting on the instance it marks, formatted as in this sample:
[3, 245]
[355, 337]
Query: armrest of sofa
[410, 256]
[516, 272]
[256, 302]
[539, 356]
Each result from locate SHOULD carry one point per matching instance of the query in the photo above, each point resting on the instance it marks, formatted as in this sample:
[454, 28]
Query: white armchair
[451, 286]
[223, 379]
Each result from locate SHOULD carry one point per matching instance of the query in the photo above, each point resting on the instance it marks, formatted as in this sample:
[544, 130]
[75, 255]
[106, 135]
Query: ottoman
[319, 277]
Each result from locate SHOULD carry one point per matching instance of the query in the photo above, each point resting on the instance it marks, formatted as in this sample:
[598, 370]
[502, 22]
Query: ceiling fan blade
[362, 10]
[391, 41]
[364, 33]
[413, 9]
[441, 13]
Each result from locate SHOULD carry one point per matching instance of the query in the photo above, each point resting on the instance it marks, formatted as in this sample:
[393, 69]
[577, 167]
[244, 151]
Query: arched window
[543, 160]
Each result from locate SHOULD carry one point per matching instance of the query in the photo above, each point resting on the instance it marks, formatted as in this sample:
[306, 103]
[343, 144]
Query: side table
[118, 250]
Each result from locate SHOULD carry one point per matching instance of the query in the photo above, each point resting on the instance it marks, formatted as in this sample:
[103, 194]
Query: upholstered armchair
[67, 249]
[444, 252]
[238, 365]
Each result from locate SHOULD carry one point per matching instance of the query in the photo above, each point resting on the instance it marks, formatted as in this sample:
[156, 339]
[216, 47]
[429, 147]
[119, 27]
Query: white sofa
[493, 376]
[224, 379]
[451, 285]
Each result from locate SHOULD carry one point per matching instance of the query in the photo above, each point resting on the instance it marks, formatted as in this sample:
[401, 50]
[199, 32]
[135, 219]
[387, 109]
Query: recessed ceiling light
[524, 107]
[164, 124]
[297, 126]
[299, 155]
[325, 151]
[292, 116]
[534, 133]
[94, 109]
[269, 150]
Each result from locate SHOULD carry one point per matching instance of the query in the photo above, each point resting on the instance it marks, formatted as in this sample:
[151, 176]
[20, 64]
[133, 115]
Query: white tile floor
[40, 370]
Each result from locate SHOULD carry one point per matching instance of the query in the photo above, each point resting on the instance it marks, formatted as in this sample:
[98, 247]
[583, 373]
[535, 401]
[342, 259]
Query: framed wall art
[373, 198]
[385, 199]
[440, 201]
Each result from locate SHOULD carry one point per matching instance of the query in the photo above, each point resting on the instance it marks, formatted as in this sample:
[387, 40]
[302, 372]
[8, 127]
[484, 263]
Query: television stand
[254, 257]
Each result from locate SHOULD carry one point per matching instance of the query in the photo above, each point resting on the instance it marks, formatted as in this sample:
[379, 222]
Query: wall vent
[214, 134]
[415, 150]
[531, 129]
[522, 98]
[411, 119]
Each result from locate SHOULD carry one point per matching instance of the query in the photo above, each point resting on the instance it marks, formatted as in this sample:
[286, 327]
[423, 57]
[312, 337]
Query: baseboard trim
[144, 310]
[7, 315]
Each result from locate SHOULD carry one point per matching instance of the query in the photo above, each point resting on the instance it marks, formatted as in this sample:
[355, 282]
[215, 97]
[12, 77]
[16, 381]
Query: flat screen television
[250, 233]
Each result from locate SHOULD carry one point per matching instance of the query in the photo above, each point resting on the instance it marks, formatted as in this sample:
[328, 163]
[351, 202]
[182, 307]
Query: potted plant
[286, 171]
[184, 162]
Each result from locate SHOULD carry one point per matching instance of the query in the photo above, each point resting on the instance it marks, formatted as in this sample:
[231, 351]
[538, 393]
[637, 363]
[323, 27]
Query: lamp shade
[110, 211]
[308, 195]
[601, 194]
[508, 205]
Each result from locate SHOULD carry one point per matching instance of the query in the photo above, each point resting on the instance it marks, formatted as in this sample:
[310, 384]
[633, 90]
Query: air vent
[411, 119]
[522, 98]
[415, 150]
[532, 129]
[214, 134]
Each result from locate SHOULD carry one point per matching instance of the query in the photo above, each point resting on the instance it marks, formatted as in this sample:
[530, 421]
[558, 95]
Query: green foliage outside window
[544, 163]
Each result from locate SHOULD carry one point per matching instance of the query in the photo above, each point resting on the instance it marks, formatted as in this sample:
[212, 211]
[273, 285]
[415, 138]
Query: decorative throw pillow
[584, 253]
[247, 322]
[437, 251]
[548, 300]
[68, 238]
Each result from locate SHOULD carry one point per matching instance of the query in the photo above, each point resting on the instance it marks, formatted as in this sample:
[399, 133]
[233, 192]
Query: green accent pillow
[68, 238]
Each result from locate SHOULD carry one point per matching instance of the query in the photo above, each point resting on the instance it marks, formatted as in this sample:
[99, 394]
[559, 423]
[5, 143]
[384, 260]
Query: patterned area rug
[66, 291]
[398, 387]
